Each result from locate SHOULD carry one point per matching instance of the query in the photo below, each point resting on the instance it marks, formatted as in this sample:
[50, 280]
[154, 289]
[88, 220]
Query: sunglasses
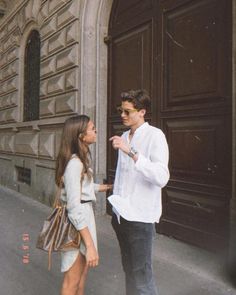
[127, 112]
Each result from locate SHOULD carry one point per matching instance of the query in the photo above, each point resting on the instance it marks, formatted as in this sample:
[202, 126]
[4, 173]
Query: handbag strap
[57, 197]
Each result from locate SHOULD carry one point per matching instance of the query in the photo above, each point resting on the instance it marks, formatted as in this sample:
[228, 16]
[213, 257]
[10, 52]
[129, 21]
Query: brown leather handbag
[58, 233]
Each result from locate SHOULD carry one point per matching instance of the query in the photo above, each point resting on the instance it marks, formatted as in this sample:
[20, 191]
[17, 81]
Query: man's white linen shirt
[137, 187]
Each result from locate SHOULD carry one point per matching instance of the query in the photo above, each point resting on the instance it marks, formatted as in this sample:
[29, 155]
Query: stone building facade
[68, 85]
[73, 79]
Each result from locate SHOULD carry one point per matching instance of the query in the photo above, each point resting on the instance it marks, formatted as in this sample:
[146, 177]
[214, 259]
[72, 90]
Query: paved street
[180, 269]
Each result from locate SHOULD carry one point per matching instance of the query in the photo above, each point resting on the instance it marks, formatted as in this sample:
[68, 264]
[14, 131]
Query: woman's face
[91, 133]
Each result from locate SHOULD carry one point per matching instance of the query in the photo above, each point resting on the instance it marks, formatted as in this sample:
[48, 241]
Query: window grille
[24, 175]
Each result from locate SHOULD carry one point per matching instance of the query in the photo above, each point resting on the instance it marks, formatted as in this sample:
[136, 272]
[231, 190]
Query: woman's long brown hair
[72, 143]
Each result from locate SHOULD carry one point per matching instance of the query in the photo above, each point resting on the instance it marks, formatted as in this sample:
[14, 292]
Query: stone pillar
[94, 27]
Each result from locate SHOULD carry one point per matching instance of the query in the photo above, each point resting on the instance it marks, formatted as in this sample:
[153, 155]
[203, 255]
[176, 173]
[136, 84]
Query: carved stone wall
[34, 145]
[60, 58]
[73, 79]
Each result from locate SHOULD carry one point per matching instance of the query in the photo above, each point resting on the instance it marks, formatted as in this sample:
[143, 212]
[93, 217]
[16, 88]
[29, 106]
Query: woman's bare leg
[73, 276]
[81, 287]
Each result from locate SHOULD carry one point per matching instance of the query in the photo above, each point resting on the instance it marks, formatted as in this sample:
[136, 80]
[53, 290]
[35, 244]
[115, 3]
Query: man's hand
[119, 143]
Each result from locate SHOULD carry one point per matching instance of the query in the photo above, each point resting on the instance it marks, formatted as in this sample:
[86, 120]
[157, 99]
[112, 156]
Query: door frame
[232, 254]
[93, 73]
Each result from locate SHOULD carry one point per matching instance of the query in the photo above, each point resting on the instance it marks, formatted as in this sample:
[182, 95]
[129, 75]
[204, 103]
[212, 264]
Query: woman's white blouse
[74, 191]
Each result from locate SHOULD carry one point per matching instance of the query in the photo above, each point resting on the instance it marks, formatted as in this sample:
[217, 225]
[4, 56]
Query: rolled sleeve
[72, 181]
[96, 187]
[155, 168]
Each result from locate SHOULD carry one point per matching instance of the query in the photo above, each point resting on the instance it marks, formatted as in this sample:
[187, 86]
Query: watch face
[132, 153]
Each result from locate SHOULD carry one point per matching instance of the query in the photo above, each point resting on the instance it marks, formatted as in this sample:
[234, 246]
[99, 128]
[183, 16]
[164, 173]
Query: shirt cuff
[141, 161]
[96, 187]
[78, 224]
[77, 217]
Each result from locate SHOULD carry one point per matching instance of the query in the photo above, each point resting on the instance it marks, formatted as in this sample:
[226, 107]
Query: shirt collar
[141, 128]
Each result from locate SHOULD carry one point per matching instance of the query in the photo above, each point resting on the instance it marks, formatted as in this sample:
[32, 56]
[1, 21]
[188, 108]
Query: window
[32, 77]
[23, 175]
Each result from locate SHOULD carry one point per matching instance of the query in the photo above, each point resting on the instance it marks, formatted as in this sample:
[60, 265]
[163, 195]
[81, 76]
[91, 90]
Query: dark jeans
[135, 240]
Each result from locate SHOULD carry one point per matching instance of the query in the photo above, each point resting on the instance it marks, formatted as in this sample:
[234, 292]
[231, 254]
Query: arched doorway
[180, 51]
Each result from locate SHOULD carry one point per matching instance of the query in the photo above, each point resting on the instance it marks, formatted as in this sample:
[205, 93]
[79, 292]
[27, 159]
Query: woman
[72, 167]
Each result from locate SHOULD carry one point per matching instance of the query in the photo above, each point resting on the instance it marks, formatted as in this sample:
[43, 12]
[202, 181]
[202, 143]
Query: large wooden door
[130, 61]
[180, 51]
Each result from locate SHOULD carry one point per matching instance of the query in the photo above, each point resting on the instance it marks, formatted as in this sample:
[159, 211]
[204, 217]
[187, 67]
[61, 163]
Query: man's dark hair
[139, 98]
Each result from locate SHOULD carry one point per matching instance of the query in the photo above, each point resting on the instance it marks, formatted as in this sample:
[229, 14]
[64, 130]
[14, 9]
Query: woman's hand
[92, 257]
[105, 187]
[91, 252]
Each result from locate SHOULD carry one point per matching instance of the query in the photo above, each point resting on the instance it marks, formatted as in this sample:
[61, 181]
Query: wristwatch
[132, 152]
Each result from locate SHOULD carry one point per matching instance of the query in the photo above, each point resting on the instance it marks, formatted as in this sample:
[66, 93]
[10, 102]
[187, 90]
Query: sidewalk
[180, 269]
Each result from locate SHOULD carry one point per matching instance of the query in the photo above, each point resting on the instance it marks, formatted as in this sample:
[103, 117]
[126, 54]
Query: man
[142, 170]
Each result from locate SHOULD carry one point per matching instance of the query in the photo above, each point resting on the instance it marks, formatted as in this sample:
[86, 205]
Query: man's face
[131, 116]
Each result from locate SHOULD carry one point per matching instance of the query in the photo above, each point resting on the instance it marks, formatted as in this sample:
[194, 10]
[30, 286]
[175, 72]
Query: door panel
[180, 51]
[131, 68]
[197, 150]
[126, 15]
[195, 59]
[196, 101]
